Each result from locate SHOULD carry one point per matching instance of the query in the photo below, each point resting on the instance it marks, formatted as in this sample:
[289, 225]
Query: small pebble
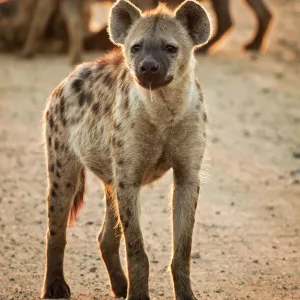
[195, 255]
[296, 155]
[93, 269]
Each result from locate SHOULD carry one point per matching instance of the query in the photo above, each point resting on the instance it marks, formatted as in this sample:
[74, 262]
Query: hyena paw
[189, 297]
[56, 289]
[138, 298]
[253, 47]
[119, 286]
[26, 53]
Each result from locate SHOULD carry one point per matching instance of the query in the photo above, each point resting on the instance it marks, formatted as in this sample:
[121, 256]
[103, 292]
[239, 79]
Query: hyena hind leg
[264, 18]
[65, 194]
[109, 244]
[71, 10]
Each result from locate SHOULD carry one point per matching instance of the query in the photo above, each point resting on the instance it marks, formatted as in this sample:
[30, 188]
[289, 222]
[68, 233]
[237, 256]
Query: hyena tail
[78, 199]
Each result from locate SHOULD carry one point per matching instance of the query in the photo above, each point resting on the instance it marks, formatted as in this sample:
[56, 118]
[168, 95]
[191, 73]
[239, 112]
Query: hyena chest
[157, 168]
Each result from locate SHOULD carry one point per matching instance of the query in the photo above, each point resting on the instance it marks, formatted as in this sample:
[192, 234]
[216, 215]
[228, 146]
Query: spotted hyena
[129, 117]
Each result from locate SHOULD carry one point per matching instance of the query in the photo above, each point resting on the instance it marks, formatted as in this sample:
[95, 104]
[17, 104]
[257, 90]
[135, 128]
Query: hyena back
[129, 117]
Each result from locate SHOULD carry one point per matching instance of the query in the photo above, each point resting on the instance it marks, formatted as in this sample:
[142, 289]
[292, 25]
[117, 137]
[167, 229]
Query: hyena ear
[195, 19]
[122, 15]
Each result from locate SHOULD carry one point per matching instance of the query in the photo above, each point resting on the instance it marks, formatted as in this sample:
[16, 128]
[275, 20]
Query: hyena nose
[149, 67]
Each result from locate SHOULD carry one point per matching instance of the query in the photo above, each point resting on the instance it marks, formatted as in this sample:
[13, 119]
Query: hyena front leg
[185, 196]
[109, 244]
[66, 188]
[137, 261]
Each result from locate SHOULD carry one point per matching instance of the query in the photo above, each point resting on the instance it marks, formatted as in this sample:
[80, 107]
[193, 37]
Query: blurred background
[247, 232]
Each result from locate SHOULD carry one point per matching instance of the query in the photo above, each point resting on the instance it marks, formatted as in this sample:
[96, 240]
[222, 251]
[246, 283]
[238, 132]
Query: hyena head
[158, 45]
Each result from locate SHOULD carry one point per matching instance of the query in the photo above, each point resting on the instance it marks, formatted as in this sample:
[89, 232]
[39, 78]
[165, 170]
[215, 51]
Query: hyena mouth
[154, 85]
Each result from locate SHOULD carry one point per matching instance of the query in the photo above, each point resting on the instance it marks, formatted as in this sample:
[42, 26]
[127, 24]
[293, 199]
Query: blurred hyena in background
[24, 23]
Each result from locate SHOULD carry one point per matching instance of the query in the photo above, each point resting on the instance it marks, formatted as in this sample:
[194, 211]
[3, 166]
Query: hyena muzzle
[129, 117]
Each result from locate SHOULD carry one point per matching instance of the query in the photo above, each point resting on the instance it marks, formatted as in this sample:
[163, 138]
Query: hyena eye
[135, 48]
[171, 49]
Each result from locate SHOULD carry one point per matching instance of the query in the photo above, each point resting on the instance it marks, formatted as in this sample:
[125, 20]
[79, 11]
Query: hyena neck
[166, 106]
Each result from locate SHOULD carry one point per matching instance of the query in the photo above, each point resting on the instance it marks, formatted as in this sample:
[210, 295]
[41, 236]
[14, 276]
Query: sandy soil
[247, 234]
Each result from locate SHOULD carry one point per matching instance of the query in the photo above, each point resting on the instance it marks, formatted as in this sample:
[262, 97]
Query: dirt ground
[247, 232]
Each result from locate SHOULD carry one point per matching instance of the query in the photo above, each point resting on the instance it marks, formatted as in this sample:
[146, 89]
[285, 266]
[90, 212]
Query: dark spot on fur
[52, 208]
[56, 128]
[126, 224]
[98, 78]
[121, 184]
[81, 99]
[101, 65]
[120, 144]
[108, 80]
[53, 193]
[106, 109]
[58, 163]
[126, 102]
[129, 245]
[120, 162]
[49, 141]
[123, 75]
[52, 232]
[62, 110]
[58, 174]
[52, 168]
[68, 185]
[85, 73]
[114, 141]
[117, 126]
[56, 109]
[95, 108]
[55, 185]
[77, 85]
[128, 213]
[199, 91]
[88, 97]
[181, 68]
[161, 160]
[56, 144]
[64, 122]
[198, 189]
[125, 88]
[51, 122]
[205, 117]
